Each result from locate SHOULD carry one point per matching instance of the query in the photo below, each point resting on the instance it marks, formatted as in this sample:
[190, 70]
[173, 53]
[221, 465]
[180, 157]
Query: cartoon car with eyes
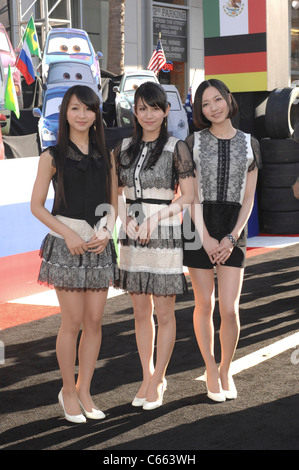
[61, 76]
[49, 116]
[71, 73]
[69, 44]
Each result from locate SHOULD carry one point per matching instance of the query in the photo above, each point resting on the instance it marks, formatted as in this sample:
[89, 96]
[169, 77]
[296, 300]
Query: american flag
[158, 59]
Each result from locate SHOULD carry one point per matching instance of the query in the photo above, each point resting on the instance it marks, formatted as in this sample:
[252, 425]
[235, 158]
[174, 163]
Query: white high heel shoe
[152, 405]
[93, 414]
[72, 418]
[138, 401]
[218, 396]
[232, 393]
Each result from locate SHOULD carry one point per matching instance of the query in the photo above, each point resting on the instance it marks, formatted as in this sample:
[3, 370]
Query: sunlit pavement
[265, 414]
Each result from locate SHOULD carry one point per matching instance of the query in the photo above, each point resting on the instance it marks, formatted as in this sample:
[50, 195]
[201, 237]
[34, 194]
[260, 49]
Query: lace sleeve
[183, 163]
[190, 142]
[257, 162]
[54, 154]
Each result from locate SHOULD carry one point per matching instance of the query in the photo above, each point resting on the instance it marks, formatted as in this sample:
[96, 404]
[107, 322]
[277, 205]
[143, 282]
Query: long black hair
[96, 134]
[154, 95]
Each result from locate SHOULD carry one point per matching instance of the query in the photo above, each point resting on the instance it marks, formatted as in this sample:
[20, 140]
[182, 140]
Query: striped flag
[235, 43]
[30, 36]
[10, 98]
[158, 59]
[24, 64]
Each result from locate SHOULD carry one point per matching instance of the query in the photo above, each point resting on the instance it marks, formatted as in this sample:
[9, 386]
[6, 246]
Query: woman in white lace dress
[149, 167]
[226, 162]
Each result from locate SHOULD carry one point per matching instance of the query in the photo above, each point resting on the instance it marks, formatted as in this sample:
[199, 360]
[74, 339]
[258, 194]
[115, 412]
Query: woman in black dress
[78, 254]
[227, 162]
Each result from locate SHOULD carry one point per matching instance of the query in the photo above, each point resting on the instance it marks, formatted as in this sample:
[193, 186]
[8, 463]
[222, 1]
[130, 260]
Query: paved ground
[264, 416]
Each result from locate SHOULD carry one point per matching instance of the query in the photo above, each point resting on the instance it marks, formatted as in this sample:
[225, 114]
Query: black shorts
[198, 257]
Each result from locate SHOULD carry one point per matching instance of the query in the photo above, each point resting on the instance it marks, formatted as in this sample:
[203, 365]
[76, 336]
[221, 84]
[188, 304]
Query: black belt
[136, 210]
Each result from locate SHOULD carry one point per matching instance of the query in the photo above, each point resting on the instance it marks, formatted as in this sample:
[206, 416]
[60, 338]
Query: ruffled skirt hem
[89, 271]
[150, 283]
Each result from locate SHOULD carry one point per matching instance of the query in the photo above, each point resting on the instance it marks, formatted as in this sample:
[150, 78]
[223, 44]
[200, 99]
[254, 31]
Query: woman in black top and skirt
[227, 162]
[78, 255]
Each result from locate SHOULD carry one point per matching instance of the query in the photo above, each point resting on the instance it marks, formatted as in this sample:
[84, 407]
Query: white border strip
[263, 354]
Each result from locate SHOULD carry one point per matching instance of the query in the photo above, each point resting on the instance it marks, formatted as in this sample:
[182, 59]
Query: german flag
[235, 43]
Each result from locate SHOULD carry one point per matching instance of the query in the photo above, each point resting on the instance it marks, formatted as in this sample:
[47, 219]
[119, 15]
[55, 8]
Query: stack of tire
[280, 157]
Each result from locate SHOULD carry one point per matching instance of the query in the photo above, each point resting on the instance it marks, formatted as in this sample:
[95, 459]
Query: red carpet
[12, 314]
[257, 251]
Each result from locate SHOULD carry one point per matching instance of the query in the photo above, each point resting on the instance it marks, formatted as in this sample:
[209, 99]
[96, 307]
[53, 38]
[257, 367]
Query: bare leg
[204, 294]
[90, 344]
[230, 281]
[145, 337]
[72, 308]
[164, 310]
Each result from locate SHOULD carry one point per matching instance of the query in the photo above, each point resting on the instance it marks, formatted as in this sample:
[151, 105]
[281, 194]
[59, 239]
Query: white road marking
[262, 354]
[49, 298]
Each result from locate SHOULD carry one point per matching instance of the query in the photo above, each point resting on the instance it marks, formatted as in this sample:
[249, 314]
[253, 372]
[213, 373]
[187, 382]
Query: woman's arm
[209, 243]
[39, 195]
[99, 241]
[226, 246]
[183, 201]
[247, 203]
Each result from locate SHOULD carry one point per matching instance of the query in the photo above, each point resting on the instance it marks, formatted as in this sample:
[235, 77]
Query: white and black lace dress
[157, 267]
[221, 166]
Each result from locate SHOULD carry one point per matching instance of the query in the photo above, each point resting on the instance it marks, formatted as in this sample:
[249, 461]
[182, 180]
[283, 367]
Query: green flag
[10, 98]
[31, 38]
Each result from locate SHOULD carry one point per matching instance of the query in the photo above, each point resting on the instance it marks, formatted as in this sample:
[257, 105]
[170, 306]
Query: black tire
[282, 112]
[280, 223]
[278, 200]
[279, 150]
[279, 175]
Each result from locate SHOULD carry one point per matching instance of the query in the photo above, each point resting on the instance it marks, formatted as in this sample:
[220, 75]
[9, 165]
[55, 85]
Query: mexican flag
[235, 43]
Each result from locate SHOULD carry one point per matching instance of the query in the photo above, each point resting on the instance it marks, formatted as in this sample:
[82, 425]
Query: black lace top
[85, 183]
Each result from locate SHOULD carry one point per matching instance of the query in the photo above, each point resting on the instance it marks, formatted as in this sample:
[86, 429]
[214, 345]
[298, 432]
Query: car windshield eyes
[67, 76]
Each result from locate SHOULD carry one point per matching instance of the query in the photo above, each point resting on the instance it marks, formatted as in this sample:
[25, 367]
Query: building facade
[192, 44]
[180, 23]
